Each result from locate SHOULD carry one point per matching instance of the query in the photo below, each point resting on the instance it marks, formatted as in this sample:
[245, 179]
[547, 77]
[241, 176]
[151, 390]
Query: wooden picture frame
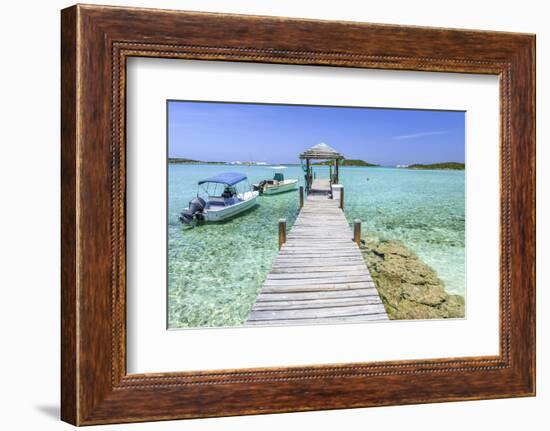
[95, 43]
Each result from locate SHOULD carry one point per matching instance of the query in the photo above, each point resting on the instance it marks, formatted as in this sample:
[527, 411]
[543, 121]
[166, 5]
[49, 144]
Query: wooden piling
[342, 198]
[357, 232]
[282, 232]
[301, 197]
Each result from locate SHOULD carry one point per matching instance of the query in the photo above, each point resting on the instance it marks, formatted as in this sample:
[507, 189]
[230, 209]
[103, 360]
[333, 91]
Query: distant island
[446, 165]
[345, 162]
[348, 162]
[182, 160]
[191, 161]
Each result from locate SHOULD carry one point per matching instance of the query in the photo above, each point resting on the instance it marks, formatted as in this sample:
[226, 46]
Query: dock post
[357, 232]
[282, 232]
[301, 197]
[342, 198]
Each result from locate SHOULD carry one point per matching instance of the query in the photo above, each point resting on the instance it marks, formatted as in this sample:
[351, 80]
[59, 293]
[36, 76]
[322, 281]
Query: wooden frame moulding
[96, 41]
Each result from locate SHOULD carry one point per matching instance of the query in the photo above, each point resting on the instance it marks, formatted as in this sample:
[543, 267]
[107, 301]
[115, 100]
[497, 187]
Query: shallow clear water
[423, 209]
[216, 270]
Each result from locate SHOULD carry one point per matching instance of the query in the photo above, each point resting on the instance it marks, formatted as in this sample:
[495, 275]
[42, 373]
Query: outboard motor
[260, 186]
[196, 207]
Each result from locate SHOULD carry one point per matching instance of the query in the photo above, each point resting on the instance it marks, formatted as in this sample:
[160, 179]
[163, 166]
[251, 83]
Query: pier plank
[363, 278]
[319, 275]
[301, 262]
[313, 269]
[317, 287]
[308, 313]
[316, 303]
[334, 320]
[313, 295]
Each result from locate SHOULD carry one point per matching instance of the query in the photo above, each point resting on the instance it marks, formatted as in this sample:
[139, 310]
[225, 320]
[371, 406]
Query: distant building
[261, 163]
[401, 166]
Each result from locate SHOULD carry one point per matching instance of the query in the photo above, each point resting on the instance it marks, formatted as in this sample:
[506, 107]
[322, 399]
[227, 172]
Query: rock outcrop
[409, 288]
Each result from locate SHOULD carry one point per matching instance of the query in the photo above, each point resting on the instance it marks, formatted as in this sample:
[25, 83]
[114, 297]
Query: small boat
[276, 185]
[221, 200]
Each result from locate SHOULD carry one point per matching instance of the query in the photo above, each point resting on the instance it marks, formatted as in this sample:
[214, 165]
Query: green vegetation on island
[445, 165]
[192, 162]
[348, 162]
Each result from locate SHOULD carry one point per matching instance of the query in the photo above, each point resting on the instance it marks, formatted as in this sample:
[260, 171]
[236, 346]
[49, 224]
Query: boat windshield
[225, 191]
[278, 176]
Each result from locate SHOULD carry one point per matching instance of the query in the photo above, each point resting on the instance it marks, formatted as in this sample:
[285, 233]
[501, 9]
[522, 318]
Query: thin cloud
[420, 135]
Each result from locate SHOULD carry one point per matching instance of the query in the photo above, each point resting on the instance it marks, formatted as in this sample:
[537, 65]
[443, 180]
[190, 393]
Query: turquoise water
[216, 270]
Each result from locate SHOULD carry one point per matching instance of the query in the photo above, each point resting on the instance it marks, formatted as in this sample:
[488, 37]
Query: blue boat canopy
[229, 178]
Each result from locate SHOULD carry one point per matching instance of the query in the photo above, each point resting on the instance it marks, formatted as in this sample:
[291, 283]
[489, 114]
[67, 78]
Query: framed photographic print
[268, 215]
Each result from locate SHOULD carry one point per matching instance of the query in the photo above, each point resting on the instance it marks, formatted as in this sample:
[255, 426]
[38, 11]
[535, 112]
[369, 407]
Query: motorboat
[278, 184]
[223, 196]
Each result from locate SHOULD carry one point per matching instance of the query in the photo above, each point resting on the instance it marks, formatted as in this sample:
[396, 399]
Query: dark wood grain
[69, 367]
[96, 41]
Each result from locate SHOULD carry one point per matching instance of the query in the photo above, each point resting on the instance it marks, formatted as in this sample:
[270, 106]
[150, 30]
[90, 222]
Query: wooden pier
[320, 186]
[319, 275]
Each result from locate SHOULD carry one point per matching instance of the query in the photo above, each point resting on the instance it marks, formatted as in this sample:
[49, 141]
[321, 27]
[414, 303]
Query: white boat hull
[280, 187]
[221, 213]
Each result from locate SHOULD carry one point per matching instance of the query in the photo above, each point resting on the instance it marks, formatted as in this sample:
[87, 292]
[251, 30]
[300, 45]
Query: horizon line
[261, 163]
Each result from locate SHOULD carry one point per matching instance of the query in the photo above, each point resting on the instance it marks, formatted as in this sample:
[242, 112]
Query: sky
[275, 134]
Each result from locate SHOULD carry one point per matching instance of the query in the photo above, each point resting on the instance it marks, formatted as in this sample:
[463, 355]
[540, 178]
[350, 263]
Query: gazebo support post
[308, 175]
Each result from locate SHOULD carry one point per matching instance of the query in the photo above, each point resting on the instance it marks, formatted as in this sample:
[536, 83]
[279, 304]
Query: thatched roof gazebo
[321, 151]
